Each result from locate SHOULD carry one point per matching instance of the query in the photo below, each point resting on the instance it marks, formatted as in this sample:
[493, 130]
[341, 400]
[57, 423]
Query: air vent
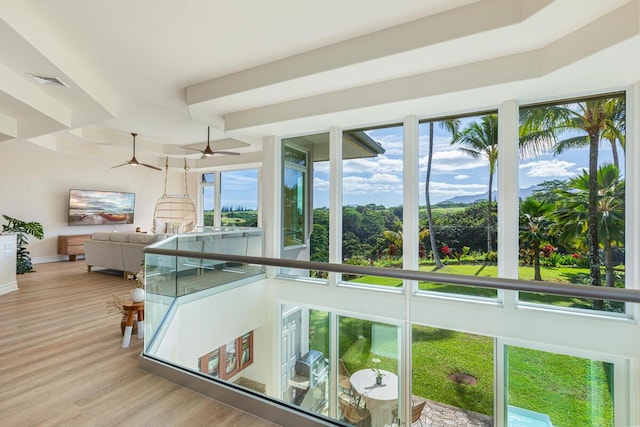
[47, 80]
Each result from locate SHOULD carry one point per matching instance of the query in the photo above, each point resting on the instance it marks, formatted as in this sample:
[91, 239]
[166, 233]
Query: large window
[369, 356]
[557, 390]
[458, 209]
[294, 209]
[208, 199]
[453, 370]
[572, 214]
[238, 198]
[372, 201]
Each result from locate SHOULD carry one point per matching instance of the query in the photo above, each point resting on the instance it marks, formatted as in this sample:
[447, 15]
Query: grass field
[561, 274]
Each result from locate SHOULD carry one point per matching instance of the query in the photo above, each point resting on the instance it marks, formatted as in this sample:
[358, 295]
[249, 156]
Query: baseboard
[52, 258]
[5, 288]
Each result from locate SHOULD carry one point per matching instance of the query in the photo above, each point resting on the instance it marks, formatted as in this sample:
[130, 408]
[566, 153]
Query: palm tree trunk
[536, 261]
[489, 242]
[592, 217]
[432, 234]
[614, 153]
[608, 264]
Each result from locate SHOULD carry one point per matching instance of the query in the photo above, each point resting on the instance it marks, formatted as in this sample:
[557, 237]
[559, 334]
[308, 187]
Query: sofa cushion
[120, 237]
[101, 235]
[143, 239]
[159, 226]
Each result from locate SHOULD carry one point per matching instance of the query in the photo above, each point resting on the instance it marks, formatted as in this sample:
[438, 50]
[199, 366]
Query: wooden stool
[132, 308]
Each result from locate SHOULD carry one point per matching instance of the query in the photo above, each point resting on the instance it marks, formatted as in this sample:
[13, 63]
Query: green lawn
[561, 274]
[438, 353]
[571, 390]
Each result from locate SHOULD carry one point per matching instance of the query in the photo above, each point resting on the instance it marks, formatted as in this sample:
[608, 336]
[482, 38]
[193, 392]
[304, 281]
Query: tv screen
[93, 207]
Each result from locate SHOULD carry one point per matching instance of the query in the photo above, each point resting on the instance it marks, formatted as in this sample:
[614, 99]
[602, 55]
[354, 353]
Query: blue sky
[239, 188]
[379, 179]
[453, 173]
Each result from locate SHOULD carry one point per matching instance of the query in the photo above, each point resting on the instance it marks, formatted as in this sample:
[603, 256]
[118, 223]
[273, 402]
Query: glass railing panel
[453, 377]
[160, 290]
[551, 389]
[305, 372]
[461, 291]
[176, 275]
[323, 360]
[614, 308]
[573, 199]
[369, 354]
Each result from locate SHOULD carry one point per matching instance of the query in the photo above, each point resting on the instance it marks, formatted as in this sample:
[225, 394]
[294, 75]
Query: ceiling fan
[208, 152]
[134, 161]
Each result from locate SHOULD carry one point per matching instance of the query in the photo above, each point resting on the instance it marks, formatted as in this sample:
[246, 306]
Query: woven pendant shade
[174, 213]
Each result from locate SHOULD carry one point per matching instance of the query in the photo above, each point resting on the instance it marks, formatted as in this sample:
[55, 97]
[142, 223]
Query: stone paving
[436, 414]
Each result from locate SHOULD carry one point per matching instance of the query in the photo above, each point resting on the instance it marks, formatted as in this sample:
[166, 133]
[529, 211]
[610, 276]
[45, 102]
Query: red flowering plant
[548, 250]
[446, 250]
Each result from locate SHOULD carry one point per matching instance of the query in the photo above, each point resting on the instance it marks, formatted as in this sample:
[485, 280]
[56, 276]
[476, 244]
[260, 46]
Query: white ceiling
[251, 68]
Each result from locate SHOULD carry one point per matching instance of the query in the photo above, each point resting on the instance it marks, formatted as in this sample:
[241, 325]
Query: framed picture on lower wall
[229, 359]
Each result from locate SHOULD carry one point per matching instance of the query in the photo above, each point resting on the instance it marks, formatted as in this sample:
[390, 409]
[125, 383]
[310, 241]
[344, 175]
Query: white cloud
[452, 161]
[446, 190]
[380, 164]
[392, 148]
[385, 178]
[321, 167]
[550, 168]
[440, 142]
[320, 184]
[354, 185]
[461, 176]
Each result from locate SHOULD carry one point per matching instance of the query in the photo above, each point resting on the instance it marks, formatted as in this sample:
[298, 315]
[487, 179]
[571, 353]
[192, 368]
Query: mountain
[467, 200]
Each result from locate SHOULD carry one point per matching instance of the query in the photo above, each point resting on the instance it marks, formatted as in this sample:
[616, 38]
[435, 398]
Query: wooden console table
[72, 245]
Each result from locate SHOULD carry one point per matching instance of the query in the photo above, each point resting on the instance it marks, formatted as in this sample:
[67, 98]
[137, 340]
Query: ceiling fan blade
[228, 153]
[134, 161]
[194, 149]
[150, 166]
[208, 152]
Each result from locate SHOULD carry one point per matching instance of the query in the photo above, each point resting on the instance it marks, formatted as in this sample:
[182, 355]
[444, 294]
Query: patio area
[436, 414]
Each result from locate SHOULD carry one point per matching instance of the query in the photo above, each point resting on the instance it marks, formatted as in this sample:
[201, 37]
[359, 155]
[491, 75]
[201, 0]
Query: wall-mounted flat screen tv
[93, 207]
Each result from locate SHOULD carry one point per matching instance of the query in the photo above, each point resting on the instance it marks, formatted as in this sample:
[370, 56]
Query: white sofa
[118, 251]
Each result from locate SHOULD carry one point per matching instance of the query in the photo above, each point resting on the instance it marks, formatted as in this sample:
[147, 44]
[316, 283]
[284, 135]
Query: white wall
[215, 320]
[8, 263]
[35, 183]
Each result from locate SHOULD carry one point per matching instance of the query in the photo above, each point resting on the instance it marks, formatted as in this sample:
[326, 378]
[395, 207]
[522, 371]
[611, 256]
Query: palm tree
[541, 128]
[432, 235]
[480, 139]
[616, 128]
[451, 125]
[572, 212]
[534, 228]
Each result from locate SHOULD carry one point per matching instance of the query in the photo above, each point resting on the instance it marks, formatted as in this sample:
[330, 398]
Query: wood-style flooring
[61, 361]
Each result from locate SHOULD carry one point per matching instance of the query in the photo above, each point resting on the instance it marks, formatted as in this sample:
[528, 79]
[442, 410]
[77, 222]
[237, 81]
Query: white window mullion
[272, 196]
[410, 253]
[335, 200]
[508, 196]
[217, 199]
[632, 243]
[410, 194]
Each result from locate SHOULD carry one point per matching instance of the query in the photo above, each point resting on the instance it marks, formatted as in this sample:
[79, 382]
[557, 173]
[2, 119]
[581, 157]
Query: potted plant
[137, 293]
[376, 370]
[115, 303]
[22, 230]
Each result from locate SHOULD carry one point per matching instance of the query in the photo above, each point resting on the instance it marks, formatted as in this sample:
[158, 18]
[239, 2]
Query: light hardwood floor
[61, 361]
